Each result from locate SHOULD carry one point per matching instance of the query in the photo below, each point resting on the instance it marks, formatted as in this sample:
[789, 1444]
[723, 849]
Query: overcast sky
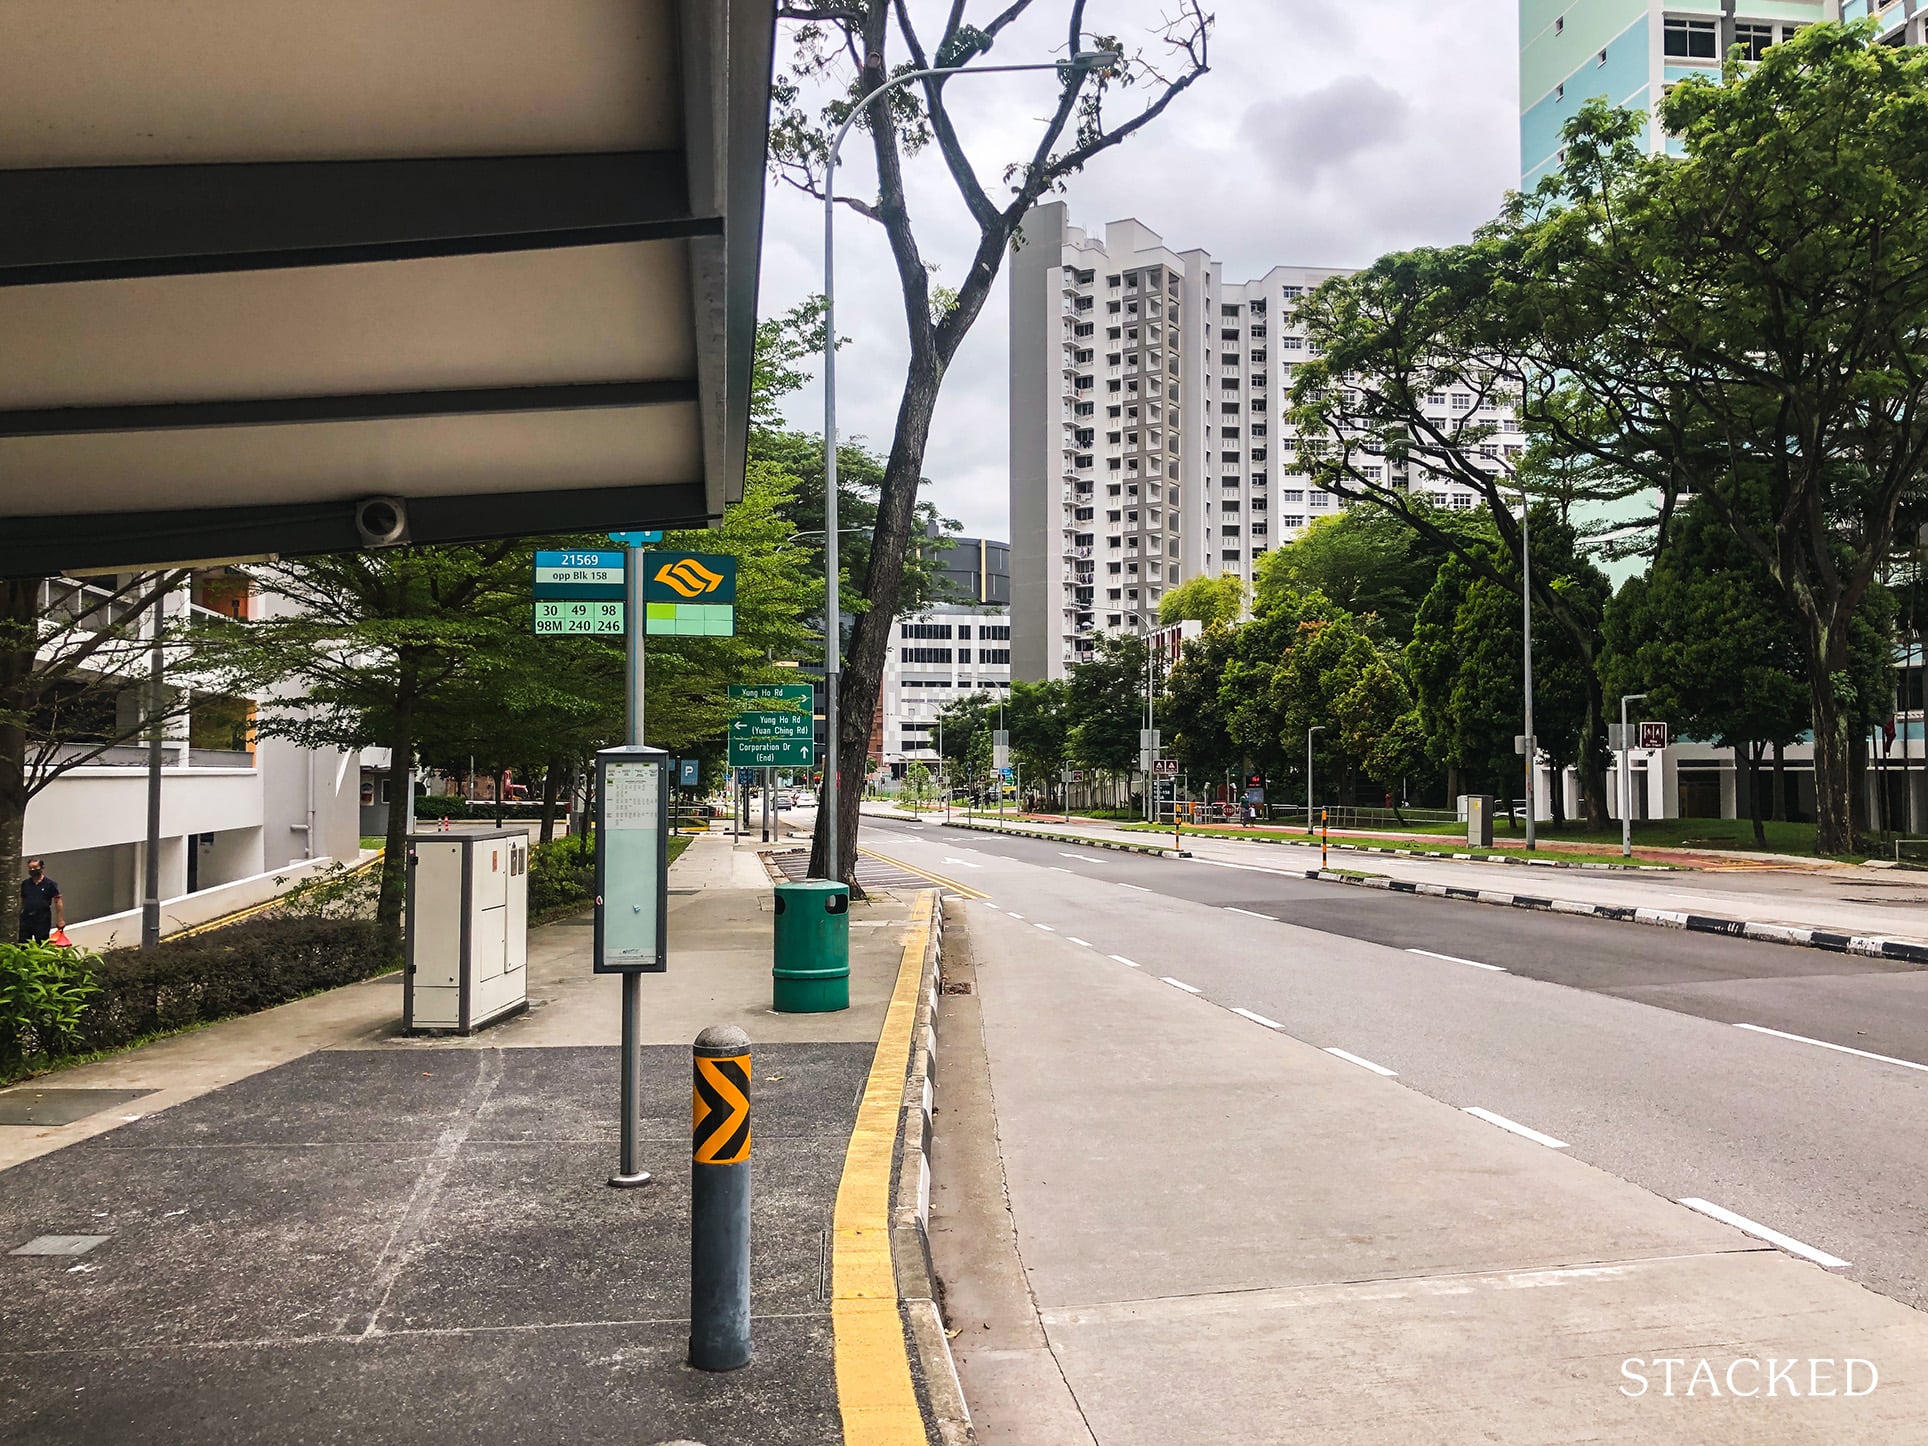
[1326, 134]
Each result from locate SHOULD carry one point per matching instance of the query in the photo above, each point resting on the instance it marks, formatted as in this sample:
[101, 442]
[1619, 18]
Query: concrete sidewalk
[1854, 902]
[1158, 1221]
[315, 1229]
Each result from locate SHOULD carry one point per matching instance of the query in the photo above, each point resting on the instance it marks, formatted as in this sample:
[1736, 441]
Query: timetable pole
[630, 1171]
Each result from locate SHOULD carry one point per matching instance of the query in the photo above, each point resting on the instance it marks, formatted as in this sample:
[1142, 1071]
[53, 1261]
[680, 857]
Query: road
[1619, 1042]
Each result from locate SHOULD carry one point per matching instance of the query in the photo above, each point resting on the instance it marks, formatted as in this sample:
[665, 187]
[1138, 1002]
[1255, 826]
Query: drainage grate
[59, 1107]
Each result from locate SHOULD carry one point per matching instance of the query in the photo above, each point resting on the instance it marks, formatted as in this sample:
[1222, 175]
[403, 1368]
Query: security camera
[382, 521]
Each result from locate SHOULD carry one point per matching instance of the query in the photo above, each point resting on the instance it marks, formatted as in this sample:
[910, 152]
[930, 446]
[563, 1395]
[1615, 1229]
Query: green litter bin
[812, 970]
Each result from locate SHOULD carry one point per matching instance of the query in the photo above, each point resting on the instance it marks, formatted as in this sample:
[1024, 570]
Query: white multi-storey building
[1148, 434]
[240, 816]
[949, 652]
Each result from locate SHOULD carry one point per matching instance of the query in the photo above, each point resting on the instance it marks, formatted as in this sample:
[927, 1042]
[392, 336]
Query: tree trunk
[401, 769]
[19, 612]
[863, 674]
[1780, 812]
[1833, 818]
[551, 778]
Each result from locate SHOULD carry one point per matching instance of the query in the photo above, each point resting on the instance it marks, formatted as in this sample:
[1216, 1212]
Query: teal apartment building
[1629, 51]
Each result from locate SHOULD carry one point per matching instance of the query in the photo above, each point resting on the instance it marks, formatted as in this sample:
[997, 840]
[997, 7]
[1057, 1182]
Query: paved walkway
[317, 1230]
[1159, 1221]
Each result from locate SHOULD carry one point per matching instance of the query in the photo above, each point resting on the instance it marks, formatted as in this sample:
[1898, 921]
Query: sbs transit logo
[689, 577]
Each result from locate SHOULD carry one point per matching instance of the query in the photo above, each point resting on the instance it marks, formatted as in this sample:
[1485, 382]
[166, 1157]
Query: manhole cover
[59, 1107]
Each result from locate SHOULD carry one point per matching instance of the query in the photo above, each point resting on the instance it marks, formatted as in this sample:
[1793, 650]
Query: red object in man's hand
[60, 940]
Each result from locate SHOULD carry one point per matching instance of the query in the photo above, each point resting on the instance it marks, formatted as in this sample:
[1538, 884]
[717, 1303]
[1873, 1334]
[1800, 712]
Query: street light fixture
[832, 793]
[1626, 777]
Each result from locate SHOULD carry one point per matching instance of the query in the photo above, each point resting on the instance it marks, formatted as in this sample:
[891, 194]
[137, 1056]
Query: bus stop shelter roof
[261, 260]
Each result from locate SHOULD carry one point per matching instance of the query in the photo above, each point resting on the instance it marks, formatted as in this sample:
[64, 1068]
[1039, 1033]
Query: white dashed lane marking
[1516, 1127]
[1351, 1058]
[1259, 1019]
[1455, 959]
[1761, 1232]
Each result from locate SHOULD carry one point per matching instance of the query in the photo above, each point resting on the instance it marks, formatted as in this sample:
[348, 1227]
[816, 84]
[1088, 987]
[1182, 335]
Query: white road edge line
[1455, 959]
[1761, 1232]
[1823, 1044]
[989, 905]
[1063, 855]
[1139, 887]
[1128, 963]
[1181, 984]
[1378, 1069]
[1073, 939]
[1013, 913]
[1046, 927]
[1250, 913]
[1515, 1126]
[1259, 1019]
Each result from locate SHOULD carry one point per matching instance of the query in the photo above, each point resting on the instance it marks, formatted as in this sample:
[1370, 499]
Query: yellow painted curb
[874, 1390]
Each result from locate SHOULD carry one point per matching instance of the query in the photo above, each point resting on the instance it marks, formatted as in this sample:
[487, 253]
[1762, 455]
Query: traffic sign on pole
[1653, 735]
[1165, 767]
[784, 739]
[582, 574]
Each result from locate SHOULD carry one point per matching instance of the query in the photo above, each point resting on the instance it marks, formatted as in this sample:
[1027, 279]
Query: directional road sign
[563, 615]
[772, 740]
[773, 697]
[584, 574]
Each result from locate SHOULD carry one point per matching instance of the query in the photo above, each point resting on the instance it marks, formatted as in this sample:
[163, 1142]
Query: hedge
[245, 967]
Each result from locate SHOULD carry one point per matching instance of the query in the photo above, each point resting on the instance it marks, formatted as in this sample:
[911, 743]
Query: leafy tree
[1364, 559]
[847, 45]
[1205, 598]
[965, 738]
[64, 668]
[1193, 705]
[377, 645]
[1706, 638]
[1105, 705]
[1037, 721]
[1747, 324]
[1409, 388]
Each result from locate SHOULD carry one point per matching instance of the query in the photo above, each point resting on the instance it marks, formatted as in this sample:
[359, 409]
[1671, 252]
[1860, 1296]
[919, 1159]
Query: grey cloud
[1299, 137]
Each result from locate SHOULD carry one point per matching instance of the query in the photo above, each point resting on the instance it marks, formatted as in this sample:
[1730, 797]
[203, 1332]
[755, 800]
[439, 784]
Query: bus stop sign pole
[630, 1171]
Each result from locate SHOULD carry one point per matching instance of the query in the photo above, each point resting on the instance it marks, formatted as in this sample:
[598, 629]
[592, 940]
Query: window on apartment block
[1684, 39]
[1753, 40]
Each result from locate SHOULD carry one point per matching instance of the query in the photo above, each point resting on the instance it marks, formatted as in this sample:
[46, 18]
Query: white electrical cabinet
[468, 930]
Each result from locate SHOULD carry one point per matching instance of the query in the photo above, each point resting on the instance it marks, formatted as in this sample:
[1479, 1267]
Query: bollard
[1325, 816]
[720, 1201]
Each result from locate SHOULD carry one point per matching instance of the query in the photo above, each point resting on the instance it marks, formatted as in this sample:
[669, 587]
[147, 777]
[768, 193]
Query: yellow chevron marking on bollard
[721, 1094]
[874, 1390]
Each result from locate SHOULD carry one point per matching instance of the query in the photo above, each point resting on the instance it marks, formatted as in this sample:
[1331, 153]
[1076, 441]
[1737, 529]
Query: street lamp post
[1526, 660]
[833, 621]
[1626, 777]
[1310, 803]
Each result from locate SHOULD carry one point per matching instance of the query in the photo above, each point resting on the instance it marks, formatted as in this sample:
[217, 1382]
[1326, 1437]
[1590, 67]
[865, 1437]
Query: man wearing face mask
[41, 911]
